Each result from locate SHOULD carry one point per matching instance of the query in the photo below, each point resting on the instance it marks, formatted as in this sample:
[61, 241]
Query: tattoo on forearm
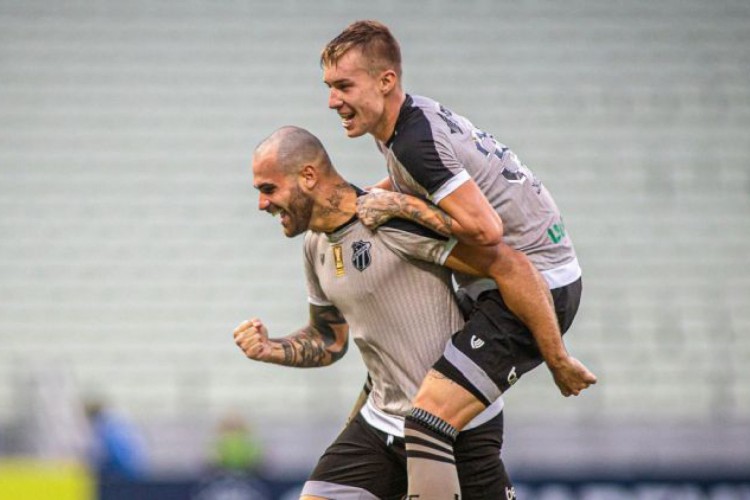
[303, 348]
[311, 349]
[289, 352]
[310, 346]
[431, 217]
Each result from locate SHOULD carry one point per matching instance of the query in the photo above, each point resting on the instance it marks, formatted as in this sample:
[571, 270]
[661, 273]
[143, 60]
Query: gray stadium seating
[131, 242]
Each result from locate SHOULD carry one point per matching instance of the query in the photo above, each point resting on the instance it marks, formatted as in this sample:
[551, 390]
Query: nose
[334, 99]
[263, 202]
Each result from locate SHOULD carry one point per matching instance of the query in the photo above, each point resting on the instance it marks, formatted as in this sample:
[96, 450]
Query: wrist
[557, 359]
[277, 353]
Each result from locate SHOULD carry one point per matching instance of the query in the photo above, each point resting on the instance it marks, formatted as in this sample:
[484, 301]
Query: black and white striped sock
[430, 463]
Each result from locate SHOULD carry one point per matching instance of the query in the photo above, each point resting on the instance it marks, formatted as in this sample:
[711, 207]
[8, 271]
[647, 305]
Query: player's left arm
[523, 288]
[525, 291]
[527, 294]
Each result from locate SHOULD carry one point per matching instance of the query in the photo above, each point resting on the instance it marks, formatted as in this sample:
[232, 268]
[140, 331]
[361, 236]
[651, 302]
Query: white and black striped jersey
[397, 299]
[400, 311]
[433, 151]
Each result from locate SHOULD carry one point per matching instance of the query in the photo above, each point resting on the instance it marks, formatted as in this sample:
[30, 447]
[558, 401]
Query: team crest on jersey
[361, 257]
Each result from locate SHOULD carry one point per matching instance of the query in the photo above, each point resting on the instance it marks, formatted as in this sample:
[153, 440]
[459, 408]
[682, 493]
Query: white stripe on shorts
[479, 379]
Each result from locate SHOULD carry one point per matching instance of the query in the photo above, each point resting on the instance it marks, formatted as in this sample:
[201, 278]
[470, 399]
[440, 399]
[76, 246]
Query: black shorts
[495, 348]
[365, 463]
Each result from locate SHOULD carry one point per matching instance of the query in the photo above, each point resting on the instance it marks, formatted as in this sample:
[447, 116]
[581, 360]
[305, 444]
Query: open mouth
[346, 119]
[283, 214]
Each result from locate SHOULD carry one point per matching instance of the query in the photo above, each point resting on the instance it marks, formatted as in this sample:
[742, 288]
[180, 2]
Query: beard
[300, 213]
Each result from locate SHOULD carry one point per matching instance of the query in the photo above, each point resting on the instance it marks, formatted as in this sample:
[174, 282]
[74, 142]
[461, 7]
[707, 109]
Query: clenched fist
[252, 337]
[572, 377]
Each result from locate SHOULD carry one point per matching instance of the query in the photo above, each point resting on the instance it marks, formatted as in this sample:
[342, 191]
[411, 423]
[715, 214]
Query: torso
[433, 151]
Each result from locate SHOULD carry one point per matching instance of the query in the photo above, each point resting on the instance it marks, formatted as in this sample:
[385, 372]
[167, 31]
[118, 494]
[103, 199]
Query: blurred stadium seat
[131, 245]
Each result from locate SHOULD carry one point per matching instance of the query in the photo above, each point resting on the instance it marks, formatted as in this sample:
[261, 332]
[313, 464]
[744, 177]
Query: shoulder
[309, 238]
[311, 242]
[419, 128]
[421, 145]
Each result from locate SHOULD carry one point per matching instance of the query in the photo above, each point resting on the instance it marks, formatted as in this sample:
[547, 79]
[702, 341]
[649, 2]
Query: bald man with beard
[391, 290]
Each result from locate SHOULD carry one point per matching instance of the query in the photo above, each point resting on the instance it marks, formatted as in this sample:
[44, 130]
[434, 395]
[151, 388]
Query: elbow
[488, 231]
[485, 236]
[490, 239]
[506, 262]
[339, 352]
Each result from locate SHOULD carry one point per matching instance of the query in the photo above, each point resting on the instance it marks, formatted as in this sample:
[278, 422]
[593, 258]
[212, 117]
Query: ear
[388, 81]
[308, 177]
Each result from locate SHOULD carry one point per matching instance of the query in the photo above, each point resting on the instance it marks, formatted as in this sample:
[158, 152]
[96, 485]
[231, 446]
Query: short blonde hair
[373, 39]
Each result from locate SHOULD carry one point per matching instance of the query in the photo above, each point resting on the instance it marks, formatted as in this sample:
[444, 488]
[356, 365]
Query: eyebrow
[265, 185]
[337, 82]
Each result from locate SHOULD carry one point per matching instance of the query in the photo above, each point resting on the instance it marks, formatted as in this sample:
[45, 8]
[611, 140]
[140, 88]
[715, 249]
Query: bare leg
[441, 408]
[446, 399]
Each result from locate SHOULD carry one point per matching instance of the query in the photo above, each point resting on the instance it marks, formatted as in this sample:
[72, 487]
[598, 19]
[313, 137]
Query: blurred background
[131, 245]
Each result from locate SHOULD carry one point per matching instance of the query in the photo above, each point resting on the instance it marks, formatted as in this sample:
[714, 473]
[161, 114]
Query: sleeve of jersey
[315, 294]
[412, 241]
[426, 153]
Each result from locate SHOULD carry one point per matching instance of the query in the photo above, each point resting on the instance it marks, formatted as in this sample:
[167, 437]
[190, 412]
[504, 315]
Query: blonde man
[485, 197]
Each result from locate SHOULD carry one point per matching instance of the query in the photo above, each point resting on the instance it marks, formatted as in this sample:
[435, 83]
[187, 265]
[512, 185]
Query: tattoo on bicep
[432, 217]
[325, 320]
[310, 346]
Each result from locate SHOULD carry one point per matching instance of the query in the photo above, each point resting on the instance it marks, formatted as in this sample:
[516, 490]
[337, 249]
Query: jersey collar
[402, 115]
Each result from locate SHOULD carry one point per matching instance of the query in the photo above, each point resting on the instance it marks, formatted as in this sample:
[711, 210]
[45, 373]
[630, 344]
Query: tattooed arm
[321, 343]
[523, 288]
[378, 207]
[464, 214]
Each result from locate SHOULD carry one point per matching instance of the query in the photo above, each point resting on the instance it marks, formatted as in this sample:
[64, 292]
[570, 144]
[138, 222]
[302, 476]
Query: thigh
[495, 348]
[363, 458]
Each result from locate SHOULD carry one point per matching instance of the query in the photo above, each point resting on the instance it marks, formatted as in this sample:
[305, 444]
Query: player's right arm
[465, 214]
[322, 342]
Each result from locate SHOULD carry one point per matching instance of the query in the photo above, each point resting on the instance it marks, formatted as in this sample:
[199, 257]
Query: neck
[390, 115]
[334, 205]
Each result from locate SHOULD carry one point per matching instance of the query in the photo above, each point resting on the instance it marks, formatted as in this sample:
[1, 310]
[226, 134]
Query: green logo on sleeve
[556, 232]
